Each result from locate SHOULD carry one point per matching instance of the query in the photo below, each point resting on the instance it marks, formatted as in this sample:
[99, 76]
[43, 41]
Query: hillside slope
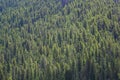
[59, 40]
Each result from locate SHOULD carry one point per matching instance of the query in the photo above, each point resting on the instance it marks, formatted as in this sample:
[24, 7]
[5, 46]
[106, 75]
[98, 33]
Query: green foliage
[43, 40]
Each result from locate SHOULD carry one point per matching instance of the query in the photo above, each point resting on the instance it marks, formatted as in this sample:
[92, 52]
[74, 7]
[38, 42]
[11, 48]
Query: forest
[59, 39]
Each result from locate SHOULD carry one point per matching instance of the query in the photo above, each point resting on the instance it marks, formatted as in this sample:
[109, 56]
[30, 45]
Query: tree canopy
[59, 40]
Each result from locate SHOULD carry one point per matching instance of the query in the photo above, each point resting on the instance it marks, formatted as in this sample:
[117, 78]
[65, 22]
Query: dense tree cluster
[59, 40]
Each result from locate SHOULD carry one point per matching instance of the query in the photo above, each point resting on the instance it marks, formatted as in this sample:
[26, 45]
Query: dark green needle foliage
[59, 40]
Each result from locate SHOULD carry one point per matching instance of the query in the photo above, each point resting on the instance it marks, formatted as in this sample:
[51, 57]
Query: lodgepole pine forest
[59, 39]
